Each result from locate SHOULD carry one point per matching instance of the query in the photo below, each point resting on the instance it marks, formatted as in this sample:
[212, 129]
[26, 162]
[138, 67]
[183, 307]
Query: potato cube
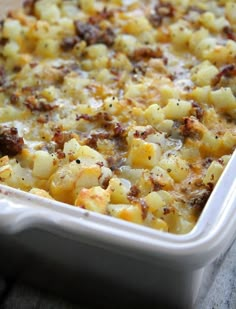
[177, 109]
[132, 213]
[142, 154]
[154, 115]
[176, 167]
[95, 199]
[203, 73]
[214, 172]
[44, 164]
[119, 189]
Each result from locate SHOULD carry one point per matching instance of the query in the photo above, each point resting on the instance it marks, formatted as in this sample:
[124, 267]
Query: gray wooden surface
[220, 284]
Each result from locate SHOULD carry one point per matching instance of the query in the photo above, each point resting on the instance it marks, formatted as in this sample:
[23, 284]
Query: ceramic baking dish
[162, 268]
[98, 259]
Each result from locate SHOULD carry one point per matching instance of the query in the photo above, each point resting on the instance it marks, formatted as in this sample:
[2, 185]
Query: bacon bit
[17, 69]
[99, 116]
[190, 128]
[92, 140]
[161, 11]
[10, 142]
[2, 76]
[14, 98]
[92, 34]
[145, 53]
[206, 163]
[105, 183]
[118, 130]
[227, 71]
[60, 138]
[166, 210]
[157, 186]
[68, 43]
[198, 110]
[43, 119]
[139, 68]
[134, 192]
[199, 198]
[144, 208]
[3, 41]
[28, 6]
[87, 32]
[144, 134]
[229, 32]
[101, 164]
[115, 163]
[60, 154]
[105, 14]
[28, 89]
[35, 104]
[107, 37]
[33, 64]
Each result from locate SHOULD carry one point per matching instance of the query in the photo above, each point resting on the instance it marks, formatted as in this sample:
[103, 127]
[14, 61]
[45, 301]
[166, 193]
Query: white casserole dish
[38, 236]
[165, 268]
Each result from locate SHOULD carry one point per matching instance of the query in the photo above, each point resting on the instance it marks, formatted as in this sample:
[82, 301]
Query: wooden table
[220, 284]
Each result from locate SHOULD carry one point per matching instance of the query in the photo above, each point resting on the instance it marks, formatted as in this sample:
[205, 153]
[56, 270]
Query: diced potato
[88, 156]
[230, 11]
[154, 114]
[159, 224]
[95, 51]
[119, 188]
[47, 48]
[135, 90]
[121, 63]
[203, 74]
[12, 29]
[112, 105]
[214, 172]
[180, 34]
[41, 193]
[212, 23]
[205, 47]
[201, 94]
[137, 25]
[71, 149]
[125, 43]
[44, 164]
[196, 38]
[62, 182]
[4, 160]
[11, 49]
[166, 126]
[223, 99]
[155, 203]
[47, 10]
[132, 213]
[95, 199]
[50, 93]
[87, 5]
[5, 172]
[143, 154]
[87, 177]
[177, 109]
[162, 177]
[168, 92]
[177, 168]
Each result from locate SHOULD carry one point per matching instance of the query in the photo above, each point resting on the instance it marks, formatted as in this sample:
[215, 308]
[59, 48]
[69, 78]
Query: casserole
[171, 263]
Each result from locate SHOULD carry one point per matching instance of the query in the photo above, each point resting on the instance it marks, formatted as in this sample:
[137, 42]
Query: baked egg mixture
[122, 107]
